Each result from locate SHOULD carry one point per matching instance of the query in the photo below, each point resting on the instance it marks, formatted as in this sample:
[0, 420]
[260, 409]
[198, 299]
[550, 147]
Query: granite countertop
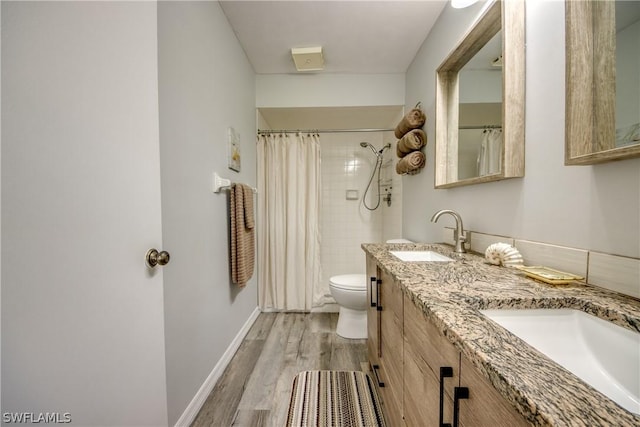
[451, 294]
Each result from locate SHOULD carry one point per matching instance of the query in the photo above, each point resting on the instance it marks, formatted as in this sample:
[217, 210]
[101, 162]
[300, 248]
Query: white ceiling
[356, 36]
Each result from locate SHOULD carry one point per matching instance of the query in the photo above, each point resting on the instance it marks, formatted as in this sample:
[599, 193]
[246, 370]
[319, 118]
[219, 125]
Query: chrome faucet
[458, 235]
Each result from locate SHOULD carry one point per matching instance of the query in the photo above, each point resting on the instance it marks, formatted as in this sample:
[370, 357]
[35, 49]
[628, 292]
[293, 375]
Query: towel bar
[220, 184]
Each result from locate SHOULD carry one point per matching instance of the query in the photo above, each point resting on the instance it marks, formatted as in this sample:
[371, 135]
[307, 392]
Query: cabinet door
[391, 346]
[425, 352]
[421, 391]
[373, 326]
[485, 405]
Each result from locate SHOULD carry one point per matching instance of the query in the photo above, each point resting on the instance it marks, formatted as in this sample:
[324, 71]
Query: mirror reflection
[627, 16]
[602, 81]
[480, 101]
[480, 113]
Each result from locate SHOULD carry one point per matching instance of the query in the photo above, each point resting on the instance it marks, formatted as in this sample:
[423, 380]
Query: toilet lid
[350, 281]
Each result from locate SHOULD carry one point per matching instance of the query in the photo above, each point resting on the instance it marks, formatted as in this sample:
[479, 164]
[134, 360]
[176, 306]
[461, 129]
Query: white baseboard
[190, 413]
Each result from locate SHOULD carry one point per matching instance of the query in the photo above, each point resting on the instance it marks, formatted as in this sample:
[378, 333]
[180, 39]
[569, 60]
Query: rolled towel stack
[412, 141]
[411, 163]
[414, 119]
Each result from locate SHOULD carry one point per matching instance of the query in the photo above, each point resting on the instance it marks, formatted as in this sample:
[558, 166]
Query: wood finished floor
[254, 390]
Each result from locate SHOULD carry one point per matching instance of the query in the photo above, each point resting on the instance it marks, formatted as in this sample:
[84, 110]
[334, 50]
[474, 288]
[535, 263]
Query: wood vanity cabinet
[430, 371]
[385, 344]
[417, 370]
[435, 372]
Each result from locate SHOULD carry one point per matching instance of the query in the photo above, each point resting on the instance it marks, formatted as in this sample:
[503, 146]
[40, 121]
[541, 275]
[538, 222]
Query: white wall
[329, 90]
[391, 184]
[480, 86]
[592, 207]
[206, 85]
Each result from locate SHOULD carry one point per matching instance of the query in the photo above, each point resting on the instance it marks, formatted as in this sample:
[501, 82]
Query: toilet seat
[350, 282]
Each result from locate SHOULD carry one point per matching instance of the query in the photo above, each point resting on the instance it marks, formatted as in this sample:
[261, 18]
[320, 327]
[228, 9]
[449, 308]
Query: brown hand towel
[411, 163]
[411, 141]
[242, 236]
[414, 119]
[249, 219]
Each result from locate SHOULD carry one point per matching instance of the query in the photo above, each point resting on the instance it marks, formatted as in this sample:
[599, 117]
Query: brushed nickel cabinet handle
[154, 258]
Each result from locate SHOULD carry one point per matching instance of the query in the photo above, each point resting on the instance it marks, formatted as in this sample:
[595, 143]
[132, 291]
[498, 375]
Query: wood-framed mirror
[480, 135]
[602, 109]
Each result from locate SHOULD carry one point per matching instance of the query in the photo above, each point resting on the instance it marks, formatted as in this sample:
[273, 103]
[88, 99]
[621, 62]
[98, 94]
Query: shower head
[371, 147]
[378, 153]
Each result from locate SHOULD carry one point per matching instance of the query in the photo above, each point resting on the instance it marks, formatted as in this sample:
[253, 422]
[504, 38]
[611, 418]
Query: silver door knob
[154, 258]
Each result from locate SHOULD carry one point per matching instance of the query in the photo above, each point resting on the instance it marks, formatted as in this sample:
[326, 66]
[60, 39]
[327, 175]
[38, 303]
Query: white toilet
[350, 292]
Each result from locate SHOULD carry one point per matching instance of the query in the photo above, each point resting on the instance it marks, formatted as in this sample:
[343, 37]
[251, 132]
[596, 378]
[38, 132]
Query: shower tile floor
[254, 389]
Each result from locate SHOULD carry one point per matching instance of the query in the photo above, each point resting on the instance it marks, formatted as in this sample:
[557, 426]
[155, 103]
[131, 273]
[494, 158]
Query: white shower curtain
[289, 197]
[490, 154]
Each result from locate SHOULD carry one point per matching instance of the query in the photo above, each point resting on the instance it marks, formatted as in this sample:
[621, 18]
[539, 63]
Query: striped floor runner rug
[334, 398]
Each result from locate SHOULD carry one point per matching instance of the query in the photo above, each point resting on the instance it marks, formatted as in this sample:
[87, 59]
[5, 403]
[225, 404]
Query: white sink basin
[420, 256]
[604, 355]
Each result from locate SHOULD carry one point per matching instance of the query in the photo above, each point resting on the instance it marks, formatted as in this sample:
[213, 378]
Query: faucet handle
[462, 235]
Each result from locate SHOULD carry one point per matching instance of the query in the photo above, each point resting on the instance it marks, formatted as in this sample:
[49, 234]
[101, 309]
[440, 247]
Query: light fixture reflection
[351, 166]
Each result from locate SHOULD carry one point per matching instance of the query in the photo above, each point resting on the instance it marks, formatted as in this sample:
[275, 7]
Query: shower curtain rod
[481, 127]
[263, 132]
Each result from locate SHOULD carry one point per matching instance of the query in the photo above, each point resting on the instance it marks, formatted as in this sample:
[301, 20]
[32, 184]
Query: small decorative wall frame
[234, 150]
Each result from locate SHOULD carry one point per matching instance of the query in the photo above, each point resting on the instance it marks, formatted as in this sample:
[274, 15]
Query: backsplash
[616, 273]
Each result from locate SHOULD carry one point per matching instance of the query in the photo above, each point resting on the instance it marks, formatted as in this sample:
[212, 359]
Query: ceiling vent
[308, 58]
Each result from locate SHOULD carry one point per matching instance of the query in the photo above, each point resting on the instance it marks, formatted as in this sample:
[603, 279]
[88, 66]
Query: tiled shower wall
[346, 224]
